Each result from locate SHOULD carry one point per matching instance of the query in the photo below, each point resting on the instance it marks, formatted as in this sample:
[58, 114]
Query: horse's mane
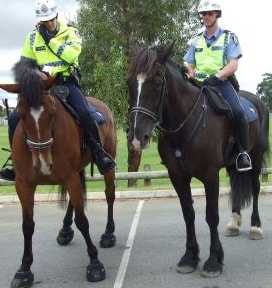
[142, 60]
[26, 73]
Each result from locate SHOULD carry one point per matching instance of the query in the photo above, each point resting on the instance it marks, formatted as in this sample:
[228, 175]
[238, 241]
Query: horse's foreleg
[95, 269]
[214, 265]
[24, 277]
[66, 233]
[108, 238]
[190, 259]
[134, 161]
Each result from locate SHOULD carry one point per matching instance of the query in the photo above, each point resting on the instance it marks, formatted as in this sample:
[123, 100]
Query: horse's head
[147, 87]
[36, 108]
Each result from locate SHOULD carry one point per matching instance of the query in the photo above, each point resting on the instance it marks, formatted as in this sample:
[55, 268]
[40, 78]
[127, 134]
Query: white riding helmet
[45, 10]
[207, 5]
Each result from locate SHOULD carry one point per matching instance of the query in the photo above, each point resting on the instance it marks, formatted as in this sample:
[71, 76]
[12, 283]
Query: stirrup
[243, 169]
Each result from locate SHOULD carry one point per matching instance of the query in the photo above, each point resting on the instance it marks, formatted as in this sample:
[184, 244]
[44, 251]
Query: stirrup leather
[245, 168]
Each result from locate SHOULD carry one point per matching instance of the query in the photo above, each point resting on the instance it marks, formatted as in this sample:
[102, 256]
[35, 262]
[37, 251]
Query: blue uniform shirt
[233, 49]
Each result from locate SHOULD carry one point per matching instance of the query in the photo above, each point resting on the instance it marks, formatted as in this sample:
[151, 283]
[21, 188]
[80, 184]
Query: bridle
[157, 117]
[39, 145]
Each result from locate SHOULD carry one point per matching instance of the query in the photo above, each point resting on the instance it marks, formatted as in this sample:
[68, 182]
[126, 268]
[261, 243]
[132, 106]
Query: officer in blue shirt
[213, 58]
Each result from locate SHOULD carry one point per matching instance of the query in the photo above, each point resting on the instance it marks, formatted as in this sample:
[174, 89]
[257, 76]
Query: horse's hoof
[185, 269]
[107, 240]
[22, 279]
[232, 231]
[233, 227]
[210, 274]
[255, 233]
[65, 236]
[212, 268]
[95, 272]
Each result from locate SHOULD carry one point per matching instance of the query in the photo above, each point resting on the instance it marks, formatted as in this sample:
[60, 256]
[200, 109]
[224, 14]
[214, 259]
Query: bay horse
[48, 149]
[193, 142]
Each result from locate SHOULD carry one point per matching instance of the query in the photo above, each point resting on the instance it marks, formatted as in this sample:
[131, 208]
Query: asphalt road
[150, 241]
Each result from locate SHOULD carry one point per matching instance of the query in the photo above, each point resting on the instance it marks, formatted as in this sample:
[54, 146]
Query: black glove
[212, 81]
[46, 36]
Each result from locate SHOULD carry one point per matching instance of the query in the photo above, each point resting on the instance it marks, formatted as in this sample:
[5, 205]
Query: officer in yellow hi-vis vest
[213, 58]
[56, 48]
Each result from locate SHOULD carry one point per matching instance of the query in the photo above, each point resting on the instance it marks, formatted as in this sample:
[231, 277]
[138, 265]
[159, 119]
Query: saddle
[62, 92]
[222, 107]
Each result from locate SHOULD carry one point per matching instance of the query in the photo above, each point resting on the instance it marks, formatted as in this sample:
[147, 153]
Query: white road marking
[125, 259]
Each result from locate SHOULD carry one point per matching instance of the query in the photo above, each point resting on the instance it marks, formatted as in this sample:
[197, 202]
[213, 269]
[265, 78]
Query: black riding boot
[243, 161]
[101, 158]
[8, 173]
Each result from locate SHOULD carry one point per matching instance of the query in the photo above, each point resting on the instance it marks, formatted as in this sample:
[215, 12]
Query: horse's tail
[63, 192]
[265, 135]
[241, 188]
[241, 182]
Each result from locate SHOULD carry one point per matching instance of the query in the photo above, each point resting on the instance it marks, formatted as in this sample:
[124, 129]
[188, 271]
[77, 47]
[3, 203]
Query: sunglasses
[208, 13]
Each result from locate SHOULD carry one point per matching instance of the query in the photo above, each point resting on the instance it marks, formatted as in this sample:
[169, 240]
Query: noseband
[39, 145]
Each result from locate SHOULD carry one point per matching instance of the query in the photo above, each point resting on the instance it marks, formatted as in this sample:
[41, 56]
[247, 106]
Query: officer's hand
[212, 81]
[46, 36]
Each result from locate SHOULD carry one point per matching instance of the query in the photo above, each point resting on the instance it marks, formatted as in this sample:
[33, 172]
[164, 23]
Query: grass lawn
[149, 156]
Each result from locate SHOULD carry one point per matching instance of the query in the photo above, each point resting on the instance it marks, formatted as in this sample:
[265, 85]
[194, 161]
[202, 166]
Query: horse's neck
[182, 95]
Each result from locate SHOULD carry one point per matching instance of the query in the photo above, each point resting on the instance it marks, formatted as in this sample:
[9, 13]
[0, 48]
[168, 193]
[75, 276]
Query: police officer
[213, 58]
[56, 48]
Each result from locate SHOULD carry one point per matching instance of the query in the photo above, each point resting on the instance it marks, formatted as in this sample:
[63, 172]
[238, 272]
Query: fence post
[147, 181]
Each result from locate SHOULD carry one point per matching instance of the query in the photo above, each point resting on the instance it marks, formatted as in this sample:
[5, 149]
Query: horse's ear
[166, 52]
[11, 88]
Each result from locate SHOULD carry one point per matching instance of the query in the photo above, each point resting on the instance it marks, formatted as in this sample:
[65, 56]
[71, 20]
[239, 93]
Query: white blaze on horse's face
[36, 114]
[140, 79]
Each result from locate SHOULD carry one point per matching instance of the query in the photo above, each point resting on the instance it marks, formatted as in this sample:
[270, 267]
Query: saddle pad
[97, 116]
[221, 106]
[251, 112]
[62, 93]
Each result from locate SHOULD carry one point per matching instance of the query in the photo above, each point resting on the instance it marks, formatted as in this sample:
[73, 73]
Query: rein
[160, 128]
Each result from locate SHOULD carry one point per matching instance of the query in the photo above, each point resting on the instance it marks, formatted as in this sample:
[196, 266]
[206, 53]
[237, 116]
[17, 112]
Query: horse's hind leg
[24, 277]
[95, 269]
[108, 238]
[66, 233]
[255, 232]
[235, 222]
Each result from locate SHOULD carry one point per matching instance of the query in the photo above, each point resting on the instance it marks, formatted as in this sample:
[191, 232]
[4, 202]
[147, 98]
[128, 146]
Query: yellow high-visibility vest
[65, 45]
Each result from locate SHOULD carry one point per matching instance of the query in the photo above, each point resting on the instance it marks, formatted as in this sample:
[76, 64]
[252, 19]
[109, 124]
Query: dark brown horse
[47, 149]
[194, 141]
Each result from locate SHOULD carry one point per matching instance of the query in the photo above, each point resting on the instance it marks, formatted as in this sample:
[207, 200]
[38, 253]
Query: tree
[109, 28]
[264, 90]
